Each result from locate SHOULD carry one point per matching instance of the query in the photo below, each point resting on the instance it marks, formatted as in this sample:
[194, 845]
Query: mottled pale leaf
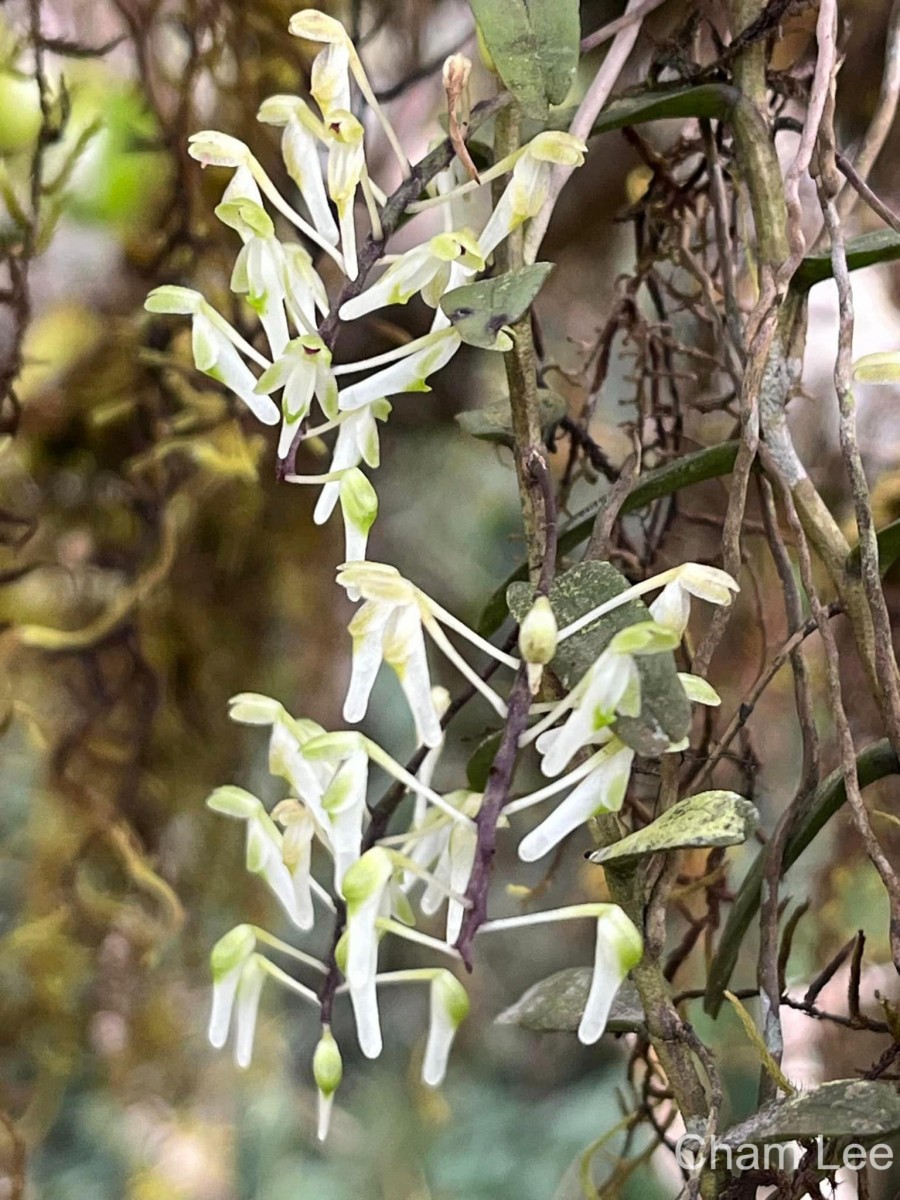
[507, 33]
[557, 32]
[857, 1108]
[478, 311]
[708, 819]
[665, 710]
[556, 1004]
[493, 423]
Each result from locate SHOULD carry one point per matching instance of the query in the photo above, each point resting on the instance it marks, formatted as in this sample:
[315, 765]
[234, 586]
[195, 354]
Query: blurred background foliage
[139, 516]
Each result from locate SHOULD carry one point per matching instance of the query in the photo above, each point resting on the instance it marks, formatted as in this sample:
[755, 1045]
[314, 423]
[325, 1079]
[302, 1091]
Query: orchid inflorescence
[326, 811]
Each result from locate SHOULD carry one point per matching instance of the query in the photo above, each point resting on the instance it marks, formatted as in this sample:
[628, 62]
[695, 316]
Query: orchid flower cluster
[319, 849]
[323, 150]
[327, 810]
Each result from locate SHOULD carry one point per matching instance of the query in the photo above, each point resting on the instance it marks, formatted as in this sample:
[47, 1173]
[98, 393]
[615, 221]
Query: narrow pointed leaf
[858, 1108]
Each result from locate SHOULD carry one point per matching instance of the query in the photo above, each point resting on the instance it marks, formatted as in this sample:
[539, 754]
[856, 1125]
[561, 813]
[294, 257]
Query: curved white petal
[618, 949]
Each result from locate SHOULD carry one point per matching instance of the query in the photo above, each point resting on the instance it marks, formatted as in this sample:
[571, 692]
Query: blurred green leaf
[507, 33]
[493, 423]
[713, 818]
[557, 31]
[863, 251]
[479, 311]
[556, 1004]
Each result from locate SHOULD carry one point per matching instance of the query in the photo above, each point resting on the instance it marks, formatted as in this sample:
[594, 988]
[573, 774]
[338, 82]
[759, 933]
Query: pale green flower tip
[440, 699]
[213, 149]
[234, 801]
[460, 246]
[538, 633]
[556, 146]
[251, 708]
[453, 997]
[624, 936]
[180, 301]
[645, 637]
[881, 368]
[278, 110]
[366, 877]
[243, 215]
[340, 952]
[231, 950]
[698, 691]
[359, 500]
[707, 583]
[317, 26]
[337, 745]
[328, 1066]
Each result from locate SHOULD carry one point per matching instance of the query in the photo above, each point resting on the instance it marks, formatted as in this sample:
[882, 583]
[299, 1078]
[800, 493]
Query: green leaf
[857, 1108]
[698, 467]
[873, 764]
[888, 551]
[557, 32]
[507, 32]
[863, 251]
[493, 423]
[556, 1004]
[479, 765]
[665, 711]
[708, 819]
[480, 310]
[716, 100]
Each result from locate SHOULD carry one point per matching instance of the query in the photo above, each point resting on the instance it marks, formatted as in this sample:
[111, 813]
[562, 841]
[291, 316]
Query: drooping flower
[304, 291]
[618, 949]
[449, 1007]
[357, 441]
[672, 607]
[299, 826]
[421, 358]
[359, 508]
[611, 686]
[303, 132]
[452, 849]
[328, 1070]
[319, 27]
[365, 890]
[528, 189]
[303, 371]
[537, 640]
[238, 977]
[346, 169]
[215, 347]
[425, 269]
[213, 149]
[344, 799]
[603, 790]
[265, 853]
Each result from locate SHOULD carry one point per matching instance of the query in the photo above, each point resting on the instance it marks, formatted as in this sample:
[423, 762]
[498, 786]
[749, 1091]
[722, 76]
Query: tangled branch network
[373, 878]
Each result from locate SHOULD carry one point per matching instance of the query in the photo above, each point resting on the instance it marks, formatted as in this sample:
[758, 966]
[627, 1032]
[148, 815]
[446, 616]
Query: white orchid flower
[303, 371]
[259, 275]
[672, 607]
[451, 866]
[707, 583]
[299, 827]
[529, 187]
[618, 949]
[603, 790]
[388, 628]
[426, 356]
[365, 890]
[328, 1070]
[357, 441]
[425, 269]
[610, 687]
[346, 169]
[343, 802]
[215, 345]
[303, 131]
[304, 291]
[449, 1007]
[265, 852]
[238, 977]
[213, 149]
[319, 27]
[359, 508]
[330, 79]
